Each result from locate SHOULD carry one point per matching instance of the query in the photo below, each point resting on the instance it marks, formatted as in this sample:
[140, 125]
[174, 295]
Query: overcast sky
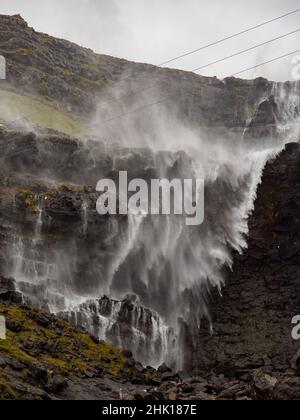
[153, 31]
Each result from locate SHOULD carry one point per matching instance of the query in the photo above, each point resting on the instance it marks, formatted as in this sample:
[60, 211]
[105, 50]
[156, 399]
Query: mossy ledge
[43, 353]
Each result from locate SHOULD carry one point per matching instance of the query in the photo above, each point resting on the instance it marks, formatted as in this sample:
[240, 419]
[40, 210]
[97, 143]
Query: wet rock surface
[47, 204]
[251, 354]
[252, 321]
[128, 324]
[78, 80]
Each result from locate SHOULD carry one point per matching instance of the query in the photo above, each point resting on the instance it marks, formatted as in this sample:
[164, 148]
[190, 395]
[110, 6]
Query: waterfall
[127, 243]
[39, 221]
[287, 96]
[125, 323]
[84, 217]
[149, 275]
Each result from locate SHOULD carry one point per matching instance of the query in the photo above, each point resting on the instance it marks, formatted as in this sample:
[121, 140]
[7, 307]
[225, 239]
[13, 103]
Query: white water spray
[167, 265]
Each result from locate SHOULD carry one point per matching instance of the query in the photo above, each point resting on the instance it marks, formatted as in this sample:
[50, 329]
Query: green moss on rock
[74, 351]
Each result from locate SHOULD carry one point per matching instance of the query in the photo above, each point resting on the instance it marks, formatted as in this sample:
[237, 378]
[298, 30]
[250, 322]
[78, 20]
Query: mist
[165, 267]
[161, 265]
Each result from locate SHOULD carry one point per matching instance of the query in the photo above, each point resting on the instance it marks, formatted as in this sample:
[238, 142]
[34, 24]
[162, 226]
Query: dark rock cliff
[47, 202]
[252, 320]
[249, 356]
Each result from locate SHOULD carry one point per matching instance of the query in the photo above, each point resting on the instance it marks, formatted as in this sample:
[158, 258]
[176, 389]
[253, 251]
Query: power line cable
[246, 50]
[207, 65]
[144, 89]
[146, 106]
[136, 110]
[205, 47]
[266, 62]
[228, 38]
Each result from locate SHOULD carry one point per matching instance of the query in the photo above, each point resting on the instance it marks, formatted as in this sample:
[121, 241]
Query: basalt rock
[7, 285]
[129, 324]
[295, 363]
[252, 320]
[55, 244]
[12, 297]
[36, 363]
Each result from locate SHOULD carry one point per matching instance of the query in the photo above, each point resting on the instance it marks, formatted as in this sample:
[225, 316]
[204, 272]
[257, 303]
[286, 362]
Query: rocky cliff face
[77, 81]
[249, 356]
[66, 259]
[252, 319]
[58, 248]
[44, 358]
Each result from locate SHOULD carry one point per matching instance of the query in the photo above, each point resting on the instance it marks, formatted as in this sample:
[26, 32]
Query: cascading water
[39, 221]
[84, 217]
[125, 323]
[287, 97]
[156, 270]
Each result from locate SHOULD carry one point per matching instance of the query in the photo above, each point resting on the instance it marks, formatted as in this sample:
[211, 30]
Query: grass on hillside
[75, 350]
[14, 107]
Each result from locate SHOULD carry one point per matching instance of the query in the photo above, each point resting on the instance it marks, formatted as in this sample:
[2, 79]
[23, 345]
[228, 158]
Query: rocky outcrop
[252, 319]
[128, 324]
[44, 358]
[53, 68]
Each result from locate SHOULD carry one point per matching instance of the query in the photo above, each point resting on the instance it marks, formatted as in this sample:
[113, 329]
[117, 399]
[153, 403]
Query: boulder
[57, 384]
[295, 363]
[11, 297]
[164, 369]
[7, 285]
[263, 385]
[287, 389]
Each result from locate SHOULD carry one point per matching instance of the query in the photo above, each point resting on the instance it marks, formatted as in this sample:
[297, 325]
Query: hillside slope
[57, 92]
[82, 84]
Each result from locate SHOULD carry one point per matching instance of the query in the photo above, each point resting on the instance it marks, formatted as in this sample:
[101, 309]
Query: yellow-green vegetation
[64, 187]
[241, 102]
[270, 212]
[249, 110]
[30, 200]
[24, 51]
[270, 208]
[14, 107]
[44, 88]
[6, 391]
[237, 90]
[63, 71]
[88, 66]
[76, 351]
[83, 82]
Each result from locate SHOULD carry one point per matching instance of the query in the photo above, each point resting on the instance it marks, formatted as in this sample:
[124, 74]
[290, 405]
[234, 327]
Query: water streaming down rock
[170, 267]
[287, 96]
[128, 324]
[39, 221]
[127, 242]
[84, 217]
[36, 277]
